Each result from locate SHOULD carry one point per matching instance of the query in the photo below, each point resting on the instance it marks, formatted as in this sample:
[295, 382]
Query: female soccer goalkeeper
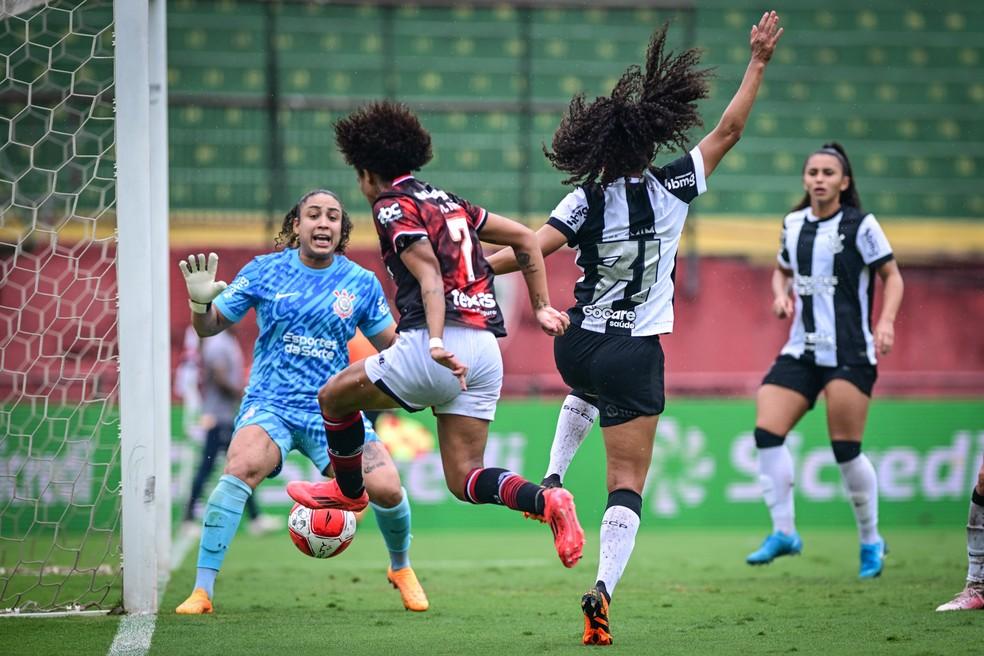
[309, 298]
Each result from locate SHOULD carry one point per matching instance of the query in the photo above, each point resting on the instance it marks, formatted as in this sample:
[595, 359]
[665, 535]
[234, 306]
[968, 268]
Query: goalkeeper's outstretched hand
[199, 276]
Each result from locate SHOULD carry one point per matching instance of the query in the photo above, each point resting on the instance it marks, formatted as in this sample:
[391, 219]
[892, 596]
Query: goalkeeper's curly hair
[647, 112]
[289, 239]
[385, 138]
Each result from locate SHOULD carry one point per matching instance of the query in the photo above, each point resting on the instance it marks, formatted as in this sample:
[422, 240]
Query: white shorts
[406, 372]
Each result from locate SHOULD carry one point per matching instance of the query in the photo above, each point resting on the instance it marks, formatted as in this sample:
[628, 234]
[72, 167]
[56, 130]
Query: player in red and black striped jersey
[446, 356]
[412, 210]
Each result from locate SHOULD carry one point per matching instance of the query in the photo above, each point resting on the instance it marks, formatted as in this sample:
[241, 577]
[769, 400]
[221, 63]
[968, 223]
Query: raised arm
[421, 261]
[199, 276]
[548, 237]
[528, 258]
[728, 131]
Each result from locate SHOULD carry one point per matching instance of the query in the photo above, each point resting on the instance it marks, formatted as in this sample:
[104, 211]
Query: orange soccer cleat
[559, 512]
[197, 604]
[594, 604]
[410, 589]
[325, 495]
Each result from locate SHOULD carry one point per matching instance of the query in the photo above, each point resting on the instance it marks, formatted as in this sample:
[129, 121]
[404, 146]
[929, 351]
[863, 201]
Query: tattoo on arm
[525, 263]
[539, 303]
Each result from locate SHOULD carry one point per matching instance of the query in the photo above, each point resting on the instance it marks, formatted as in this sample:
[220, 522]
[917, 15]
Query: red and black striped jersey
[414, 210]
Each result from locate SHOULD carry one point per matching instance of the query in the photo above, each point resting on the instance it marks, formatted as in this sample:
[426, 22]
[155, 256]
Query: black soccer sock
[345, 439]
[603, 589]
[504, 488]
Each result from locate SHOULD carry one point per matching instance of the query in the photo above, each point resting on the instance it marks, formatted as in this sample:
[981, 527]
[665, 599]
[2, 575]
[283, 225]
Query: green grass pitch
[505, 592]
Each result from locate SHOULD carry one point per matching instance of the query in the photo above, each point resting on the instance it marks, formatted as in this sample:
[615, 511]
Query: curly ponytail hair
[385, 138]
[849, 196]
[289, 239]
[646, 112]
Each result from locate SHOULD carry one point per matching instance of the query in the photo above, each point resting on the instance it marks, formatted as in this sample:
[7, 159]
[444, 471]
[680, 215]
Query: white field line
[135, 632]
[133, 635]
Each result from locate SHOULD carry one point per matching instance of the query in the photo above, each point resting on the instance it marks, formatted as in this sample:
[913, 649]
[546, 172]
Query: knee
[388, 497]
[246, 470]
[326, 399]
[456, 485]
[765, 439]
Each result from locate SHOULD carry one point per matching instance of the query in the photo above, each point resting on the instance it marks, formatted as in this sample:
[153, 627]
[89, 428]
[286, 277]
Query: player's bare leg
[462, 441]
[342, 399]
[252, 457]
[389, 502]
[847, 412]
[972, 596]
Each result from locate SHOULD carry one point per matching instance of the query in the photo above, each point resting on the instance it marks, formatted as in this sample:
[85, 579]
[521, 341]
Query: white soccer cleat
[970, 598]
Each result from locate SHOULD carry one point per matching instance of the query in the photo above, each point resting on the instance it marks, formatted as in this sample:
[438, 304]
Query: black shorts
[809, 379]
[621, 375]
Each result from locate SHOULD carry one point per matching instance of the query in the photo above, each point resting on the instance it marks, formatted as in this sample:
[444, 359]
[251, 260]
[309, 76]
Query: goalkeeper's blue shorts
[291, 429]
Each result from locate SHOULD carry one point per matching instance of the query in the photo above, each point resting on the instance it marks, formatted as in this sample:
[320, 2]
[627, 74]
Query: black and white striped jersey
[626, 234]
[832, 260]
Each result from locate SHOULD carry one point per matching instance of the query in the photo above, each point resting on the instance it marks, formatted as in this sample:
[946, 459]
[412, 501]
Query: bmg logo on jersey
[344, 303]
[389, 213]
[681, 181]
[240, 283]
[869, 242]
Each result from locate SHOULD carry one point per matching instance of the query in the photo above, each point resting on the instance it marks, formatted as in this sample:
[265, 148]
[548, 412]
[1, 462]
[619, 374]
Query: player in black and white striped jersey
[829, 253]
[625, 220]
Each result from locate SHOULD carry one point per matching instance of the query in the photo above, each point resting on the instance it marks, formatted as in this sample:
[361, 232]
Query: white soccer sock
[862, 487]
[975, 545]
[577, 416]
[618, 532]
[775, 466]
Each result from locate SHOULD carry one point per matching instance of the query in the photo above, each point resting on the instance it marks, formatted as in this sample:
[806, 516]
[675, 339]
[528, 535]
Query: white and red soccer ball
[323, 533]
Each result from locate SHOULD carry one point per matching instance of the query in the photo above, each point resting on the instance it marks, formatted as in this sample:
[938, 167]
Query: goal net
[60, 483]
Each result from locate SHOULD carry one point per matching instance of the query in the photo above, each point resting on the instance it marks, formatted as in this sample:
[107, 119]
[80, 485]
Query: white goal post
[142, 225]
[85, 499]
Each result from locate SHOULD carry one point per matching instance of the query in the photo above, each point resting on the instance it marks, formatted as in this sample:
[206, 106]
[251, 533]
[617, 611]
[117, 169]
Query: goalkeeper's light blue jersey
[306, 317]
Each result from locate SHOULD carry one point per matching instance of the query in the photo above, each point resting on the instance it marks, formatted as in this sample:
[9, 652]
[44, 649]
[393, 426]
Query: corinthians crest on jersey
[344, 302]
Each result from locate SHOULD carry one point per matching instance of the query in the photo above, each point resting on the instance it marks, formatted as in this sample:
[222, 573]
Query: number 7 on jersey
[458, 229]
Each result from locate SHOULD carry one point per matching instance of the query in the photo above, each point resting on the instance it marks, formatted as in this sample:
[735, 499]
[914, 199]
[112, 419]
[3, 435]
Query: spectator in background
[221, 374]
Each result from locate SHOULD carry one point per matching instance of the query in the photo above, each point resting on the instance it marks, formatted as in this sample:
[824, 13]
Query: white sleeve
[783, 256]
[872, 243]
[570, 213]
[699, 169]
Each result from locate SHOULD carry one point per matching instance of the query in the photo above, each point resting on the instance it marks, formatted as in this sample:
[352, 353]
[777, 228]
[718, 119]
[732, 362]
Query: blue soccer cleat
[872, 559]
[775, 545]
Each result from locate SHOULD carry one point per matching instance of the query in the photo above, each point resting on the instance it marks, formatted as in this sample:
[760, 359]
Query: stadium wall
[725, 337]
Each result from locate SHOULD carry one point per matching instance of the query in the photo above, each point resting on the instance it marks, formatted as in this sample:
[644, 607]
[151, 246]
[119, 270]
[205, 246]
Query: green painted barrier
[703, 474]
[926, 453]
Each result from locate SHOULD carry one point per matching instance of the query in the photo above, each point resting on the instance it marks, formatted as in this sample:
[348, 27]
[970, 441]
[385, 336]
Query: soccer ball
[322, 533]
